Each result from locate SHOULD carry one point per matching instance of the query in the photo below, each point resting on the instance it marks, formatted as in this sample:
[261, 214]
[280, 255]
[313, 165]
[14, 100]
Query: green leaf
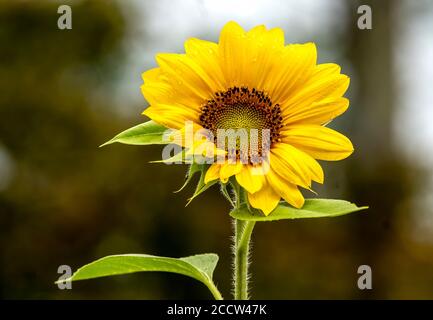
[313, 208]
[143, 134]
[199, 267]
[204, 262]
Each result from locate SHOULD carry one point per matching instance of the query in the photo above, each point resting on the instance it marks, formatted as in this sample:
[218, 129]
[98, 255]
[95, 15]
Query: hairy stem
[243, 230]
[241, 247]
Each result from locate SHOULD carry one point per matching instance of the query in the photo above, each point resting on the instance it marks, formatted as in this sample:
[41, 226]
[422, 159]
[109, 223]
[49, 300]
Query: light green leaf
[199, 267]
[143, 134]
[204, 262]
[313, 208]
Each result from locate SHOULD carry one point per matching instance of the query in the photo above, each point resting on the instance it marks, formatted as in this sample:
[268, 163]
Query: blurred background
[65, 201]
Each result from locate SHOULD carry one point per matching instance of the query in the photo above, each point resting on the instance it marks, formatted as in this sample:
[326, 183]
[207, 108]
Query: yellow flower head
[252, 80]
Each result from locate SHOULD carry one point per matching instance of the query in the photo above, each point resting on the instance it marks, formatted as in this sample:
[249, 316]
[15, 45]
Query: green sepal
[192, 170]
[201, 186]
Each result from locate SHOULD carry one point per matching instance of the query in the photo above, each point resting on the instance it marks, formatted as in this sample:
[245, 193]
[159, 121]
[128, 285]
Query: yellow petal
[318, 113]
[326, 82]
[187, 136]
[185, 75]
[205, 149]
[264, 57]
[319, 142]
[160, 87]
[205, 54]
[288, 191]
[291, 168]
[232, 53]
[273, 37]
[293, 67]
[151, 75]
[266, 199]
[248, 58]
[156, 92]
[212, 173]
[248, 180]
[288, 161]
[170, 116]
[229, 169]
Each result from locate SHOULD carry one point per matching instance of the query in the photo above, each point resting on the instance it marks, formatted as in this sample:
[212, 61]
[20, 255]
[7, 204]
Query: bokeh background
[65, 201]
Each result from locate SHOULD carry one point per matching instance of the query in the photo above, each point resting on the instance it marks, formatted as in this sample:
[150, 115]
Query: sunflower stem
[241, 248]
[243, 231]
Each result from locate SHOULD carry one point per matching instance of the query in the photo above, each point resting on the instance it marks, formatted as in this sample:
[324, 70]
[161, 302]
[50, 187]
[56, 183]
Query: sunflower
[253, 80]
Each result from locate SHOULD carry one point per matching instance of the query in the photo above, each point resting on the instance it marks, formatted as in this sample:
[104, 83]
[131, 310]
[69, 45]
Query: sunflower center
[243, 108]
